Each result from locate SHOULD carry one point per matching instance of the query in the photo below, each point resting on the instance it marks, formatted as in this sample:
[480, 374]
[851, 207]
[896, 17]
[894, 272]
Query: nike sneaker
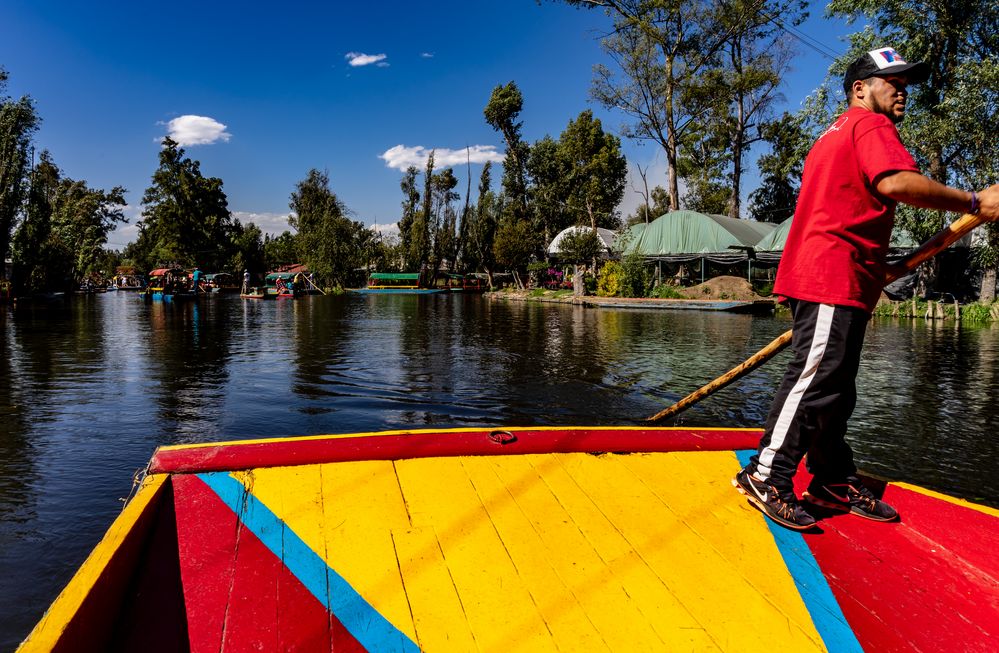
[849, 496]
[781, 507]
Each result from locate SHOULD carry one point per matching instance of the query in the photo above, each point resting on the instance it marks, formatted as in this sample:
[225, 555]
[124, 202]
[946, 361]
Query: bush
[610, 280]
[665, 291]
[635, 276]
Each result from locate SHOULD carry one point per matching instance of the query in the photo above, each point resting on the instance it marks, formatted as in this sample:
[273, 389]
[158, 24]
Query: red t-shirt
[837, 246]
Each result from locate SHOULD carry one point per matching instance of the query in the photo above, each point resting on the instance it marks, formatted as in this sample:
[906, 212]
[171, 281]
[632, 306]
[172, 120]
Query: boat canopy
[394, 276]
[217, 276]
[159, 272]
[681, 236]
[287, 276]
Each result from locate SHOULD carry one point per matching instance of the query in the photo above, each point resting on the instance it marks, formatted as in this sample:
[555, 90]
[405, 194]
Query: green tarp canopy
[394, 276]
[681, 236]
[771, 246]
[274, 276]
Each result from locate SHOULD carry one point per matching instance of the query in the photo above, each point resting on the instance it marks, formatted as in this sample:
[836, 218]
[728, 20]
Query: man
[832, 273]
[246, 281]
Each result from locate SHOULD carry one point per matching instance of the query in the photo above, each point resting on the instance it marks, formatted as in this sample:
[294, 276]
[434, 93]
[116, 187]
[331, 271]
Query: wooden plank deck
[498, 553]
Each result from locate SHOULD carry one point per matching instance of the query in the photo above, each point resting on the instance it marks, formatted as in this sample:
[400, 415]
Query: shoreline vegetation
[733, 288]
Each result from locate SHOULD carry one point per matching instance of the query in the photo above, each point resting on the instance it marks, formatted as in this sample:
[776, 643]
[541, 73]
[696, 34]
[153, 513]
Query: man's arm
[918, 190]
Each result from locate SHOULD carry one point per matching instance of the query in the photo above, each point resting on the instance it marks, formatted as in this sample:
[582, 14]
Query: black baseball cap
[883, 62]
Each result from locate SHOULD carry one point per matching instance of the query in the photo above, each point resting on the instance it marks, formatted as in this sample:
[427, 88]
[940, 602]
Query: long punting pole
[944, 239]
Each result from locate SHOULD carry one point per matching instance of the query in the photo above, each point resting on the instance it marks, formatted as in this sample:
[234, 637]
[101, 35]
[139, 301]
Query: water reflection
[89, 390]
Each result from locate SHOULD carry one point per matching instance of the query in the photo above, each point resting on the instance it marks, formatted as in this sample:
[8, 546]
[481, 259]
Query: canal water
[88, 390]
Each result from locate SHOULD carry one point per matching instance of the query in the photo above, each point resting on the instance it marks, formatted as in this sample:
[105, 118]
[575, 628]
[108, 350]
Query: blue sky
[260, 93]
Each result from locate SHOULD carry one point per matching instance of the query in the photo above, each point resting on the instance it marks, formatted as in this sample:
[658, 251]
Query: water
[89, 390]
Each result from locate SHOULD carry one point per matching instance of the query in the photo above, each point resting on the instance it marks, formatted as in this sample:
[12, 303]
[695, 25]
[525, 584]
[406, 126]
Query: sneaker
[849, 496]
[782, 508]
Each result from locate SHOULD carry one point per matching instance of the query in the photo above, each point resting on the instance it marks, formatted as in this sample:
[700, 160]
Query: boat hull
[519, 539]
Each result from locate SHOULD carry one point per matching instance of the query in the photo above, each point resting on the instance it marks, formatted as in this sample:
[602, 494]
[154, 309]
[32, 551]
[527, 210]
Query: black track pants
[816, 397]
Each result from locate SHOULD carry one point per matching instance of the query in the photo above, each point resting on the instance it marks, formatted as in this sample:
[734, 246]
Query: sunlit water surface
[88, 391]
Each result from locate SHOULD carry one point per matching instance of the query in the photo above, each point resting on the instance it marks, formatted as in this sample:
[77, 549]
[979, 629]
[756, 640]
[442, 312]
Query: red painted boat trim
[425, 444]
[248, 600]
[942, 557]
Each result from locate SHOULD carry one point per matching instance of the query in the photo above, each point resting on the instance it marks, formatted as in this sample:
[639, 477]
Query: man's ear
[859, 87]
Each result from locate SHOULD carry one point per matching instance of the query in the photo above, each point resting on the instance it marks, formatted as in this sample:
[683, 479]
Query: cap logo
[886, 58]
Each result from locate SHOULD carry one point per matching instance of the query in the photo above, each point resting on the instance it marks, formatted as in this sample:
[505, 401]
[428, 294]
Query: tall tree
[410, 204]
[62, 236]
[774, 200]
[185, 216]
[597, 171]
[549, 192]
[482, 228]
[419, 240]
[959, 39]
[329, 242]
[502, 112]
[659, 48]
[750, 67]
[18, 123]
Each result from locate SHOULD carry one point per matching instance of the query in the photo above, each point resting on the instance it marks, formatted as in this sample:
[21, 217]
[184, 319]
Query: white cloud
[388, 232]
[274, 224]
[197, 130]
[127, 231]
[401, 157]
[357, 59]
[427, 55]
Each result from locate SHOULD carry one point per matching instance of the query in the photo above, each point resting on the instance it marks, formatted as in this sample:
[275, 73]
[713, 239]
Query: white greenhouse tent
[606, 238]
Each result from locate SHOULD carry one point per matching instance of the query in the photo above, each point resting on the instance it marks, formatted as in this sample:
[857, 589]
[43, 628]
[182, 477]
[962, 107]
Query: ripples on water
[87, 392]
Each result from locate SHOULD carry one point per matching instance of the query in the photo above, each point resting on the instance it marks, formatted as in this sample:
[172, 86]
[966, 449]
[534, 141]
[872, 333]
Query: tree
[410, 202]
[951, 119]
[443, 221]
[419, 238]
[656, 204]
[329, 243]
[750, 67]
[65, 227]
[514, 245]
[549, 192]
[781, 169]
[18, 123]
[659, 49]
[596, 171]
[502, 111]
[185, 216]
[481, 230]
[248, 247]
[280, 250]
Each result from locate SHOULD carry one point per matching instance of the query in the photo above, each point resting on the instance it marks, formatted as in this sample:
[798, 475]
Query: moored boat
[282, 285]
[400, 283]
[518, 539]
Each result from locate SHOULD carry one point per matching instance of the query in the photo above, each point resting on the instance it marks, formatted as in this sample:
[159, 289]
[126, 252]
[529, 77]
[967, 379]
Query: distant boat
[254, 292]
[282, 285]
[514, 539]
[399, 283]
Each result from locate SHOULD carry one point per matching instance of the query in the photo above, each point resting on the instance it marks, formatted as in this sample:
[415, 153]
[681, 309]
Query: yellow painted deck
[549, 552]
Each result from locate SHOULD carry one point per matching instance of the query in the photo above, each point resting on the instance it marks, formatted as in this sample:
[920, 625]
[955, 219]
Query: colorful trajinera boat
[399, 283]
[524, 539]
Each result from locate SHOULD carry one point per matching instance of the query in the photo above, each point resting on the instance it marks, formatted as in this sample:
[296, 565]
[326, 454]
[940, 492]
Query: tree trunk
[987, 294]
[578, 287]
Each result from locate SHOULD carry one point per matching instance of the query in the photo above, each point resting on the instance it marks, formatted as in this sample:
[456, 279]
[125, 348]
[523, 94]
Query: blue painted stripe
[365, 624]
[826, 614]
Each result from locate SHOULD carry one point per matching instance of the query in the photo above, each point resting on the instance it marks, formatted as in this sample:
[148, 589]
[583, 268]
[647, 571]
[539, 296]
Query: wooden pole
[944, 239]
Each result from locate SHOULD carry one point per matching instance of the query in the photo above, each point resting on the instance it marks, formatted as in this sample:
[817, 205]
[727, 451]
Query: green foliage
[185, 219]
[502, 112]
[610, 280]
[666, 291]
[658, 205]
[61, 238]
[596, 171]
[481, 231]
[515, 243]
[781, 168]
[329, 242]
[280, 250]
[580, 246]
[636, 277]
[410, 202]
[18, 123]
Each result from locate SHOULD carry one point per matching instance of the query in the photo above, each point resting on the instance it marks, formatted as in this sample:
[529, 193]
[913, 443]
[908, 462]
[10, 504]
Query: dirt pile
[723, 287]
